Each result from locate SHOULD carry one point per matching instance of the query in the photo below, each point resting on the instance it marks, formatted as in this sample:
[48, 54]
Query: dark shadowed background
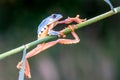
[96, 57]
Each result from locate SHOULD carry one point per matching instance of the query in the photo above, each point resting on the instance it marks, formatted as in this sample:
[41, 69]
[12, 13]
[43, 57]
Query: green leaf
[110, 4]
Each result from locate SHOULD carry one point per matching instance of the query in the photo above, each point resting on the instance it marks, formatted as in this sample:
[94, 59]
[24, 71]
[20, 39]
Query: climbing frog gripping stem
[45, 28]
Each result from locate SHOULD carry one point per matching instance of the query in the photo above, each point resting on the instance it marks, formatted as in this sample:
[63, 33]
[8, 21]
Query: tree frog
[45, 28]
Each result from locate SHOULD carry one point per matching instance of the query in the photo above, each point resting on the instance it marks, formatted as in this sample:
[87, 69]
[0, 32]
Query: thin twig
[66, 31]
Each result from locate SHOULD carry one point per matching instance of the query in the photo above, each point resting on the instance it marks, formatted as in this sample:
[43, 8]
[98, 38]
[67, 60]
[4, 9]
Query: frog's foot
[70, 20]
[69, 41]
[19, 65]
[27, 68]
[61, 34]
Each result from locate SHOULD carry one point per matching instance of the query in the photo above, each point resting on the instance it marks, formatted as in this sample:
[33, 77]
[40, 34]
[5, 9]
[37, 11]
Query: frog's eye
[53, 16]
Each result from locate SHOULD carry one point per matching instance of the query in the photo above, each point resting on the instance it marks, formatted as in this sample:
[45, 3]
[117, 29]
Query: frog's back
[42, 25]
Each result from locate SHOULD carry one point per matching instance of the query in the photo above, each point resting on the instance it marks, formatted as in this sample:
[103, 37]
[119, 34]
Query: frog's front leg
[69, 20]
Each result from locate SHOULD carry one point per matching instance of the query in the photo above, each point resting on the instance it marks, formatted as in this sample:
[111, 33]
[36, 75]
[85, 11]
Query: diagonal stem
[66, 31]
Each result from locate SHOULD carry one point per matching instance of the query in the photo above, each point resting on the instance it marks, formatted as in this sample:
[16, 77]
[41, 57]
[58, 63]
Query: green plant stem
[66, 31]
[16, 50]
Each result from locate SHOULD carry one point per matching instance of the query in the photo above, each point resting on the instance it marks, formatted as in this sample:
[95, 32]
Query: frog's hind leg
[44, 46]
[35, 51]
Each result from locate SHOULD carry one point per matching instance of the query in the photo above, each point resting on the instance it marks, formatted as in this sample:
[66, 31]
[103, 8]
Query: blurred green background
[96, 57]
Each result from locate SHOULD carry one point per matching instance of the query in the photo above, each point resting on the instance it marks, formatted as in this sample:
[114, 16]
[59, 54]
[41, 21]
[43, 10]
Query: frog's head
[49, 20]
[55, 17]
